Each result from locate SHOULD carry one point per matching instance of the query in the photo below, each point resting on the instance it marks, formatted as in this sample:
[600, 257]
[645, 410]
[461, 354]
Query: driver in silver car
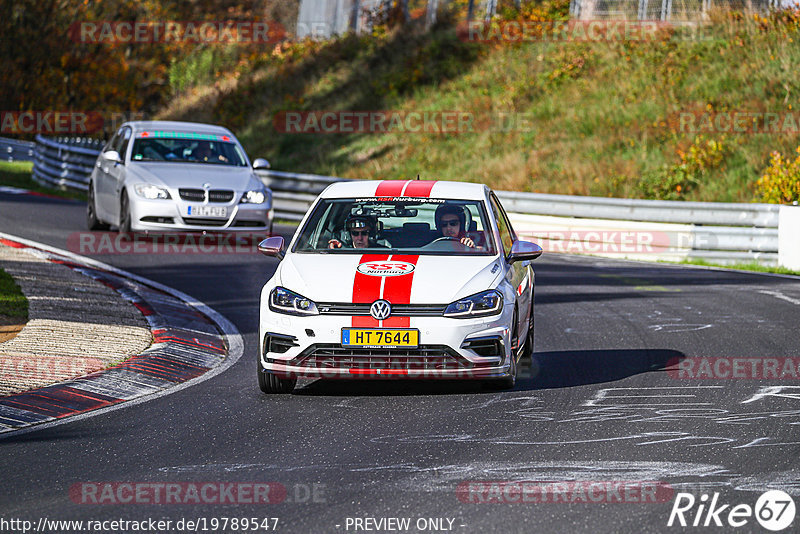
[451, 221]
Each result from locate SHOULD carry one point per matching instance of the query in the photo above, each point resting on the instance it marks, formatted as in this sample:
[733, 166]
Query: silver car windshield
[408, 226]
[188, 151]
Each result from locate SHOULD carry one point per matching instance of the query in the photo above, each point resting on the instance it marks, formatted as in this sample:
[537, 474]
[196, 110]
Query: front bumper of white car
[311, 346]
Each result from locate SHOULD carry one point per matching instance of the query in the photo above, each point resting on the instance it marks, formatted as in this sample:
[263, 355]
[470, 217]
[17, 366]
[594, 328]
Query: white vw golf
[166, 176]
[398, 279]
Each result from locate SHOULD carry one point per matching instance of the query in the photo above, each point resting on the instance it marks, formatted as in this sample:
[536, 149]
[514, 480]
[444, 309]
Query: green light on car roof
[183, 135]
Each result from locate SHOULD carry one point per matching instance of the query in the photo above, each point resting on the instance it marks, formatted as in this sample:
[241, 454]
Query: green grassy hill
[604, 116]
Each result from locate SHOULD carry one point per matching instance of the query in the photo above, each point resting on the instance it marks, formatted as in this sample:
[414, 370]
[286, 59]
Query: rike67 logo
[774, 510]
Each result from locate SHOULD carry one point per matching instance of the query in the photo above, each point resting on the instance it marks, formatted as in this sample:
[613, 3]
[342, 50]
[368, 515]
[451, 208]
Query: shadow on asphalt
[636, 279]
[548, 370]
[38, 199]
[568, 368]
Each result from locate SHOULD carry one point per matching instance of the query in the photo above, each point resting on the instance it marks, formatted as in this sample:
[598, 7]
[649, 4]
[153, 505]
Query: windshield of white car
[177, 150]
[419, 226]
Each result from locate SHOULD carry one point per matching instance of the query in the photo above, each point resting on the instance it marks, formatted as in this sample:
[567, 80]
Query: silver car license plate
[207, 211]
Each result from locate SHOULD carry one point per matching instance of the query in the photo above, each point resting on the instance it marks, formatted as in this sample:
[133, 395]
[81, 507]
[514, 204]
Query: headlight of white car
[484, 303]
[150, 191]
[284, 301]
[254, 197]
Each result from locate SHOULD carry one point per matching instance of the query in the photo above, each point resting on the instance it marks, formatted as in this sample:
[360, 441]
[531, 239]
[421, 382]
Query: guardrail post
[789, 237]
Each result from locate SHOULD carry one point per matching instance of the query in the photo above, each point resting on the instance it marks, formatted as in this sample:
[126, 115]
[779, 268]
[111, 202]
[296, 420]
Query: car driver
[450, 221]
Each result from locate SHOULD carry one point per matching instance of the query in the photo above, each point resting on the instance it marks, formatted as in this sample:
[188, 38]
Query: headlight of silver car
[284, 301]
[150, 191]
[484, 303]
[254, 197]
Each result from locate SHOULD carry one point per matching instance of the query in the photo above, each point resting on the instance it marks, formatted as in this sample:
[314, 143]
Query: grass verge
[18, 174]
[755, 267]
[13, 304]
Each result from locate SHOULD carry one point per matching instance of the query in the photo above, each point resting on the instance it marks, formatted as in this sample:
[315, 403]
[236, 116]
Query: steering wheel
[443, 238]
[447, 243]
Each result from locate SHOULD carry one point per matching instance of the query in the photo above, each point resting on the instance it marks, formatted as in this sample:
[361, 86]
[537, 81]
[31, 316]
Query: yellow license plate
[360, 337]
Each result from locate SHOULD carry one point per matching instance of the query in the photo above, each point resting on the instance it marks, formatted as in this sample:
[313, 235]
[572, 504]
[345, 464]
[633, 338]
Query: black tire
[527, 354]
[92, 222]
[507, 382]
[124, 215]
[269, 383]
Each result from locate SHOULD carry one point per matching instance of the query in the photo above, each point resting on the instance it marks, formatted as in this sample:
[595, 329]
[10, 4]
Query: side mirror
[112, 155]
[272, 246]
[261, 163]
[524, 250]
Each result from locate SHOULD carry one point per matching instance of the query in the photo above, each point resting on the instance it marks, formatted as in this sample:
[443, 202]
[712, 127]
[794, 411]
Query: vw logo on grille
[380, 309]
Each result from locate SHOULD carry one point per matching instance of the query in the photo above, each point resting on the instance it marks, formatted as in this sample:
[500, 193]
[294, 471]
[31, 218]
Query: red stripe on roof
[390, 188]
[419, 188]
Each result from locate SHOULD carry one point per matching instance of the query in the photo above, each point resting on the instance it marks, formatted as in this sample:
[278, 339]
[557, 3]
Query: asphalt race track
[596, 409]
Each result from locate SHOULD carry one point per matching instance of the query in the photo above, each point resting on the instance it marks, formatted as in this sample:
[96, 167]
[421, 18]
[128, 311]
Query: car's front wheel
[269, 383]
[124, 214]
[527, 354]
[509, 381]
[92, 222]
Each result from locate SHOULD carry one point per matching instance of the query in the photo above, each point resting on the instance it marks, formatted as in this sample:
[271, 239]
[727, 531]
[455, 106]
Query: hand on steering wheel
[466, 241]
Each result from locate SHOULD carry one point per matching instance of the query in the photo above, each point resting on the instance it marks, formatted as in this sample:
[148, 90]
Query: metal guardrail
[716, 231]
[667, 211]
[65, 162]
[16, 150]
[294, 192]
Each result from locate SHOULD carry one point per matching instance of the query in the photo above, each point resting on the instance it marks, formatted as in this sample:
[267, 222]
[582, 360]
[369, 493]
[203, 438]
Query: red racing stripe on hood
[397, 290]
[367, 289]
